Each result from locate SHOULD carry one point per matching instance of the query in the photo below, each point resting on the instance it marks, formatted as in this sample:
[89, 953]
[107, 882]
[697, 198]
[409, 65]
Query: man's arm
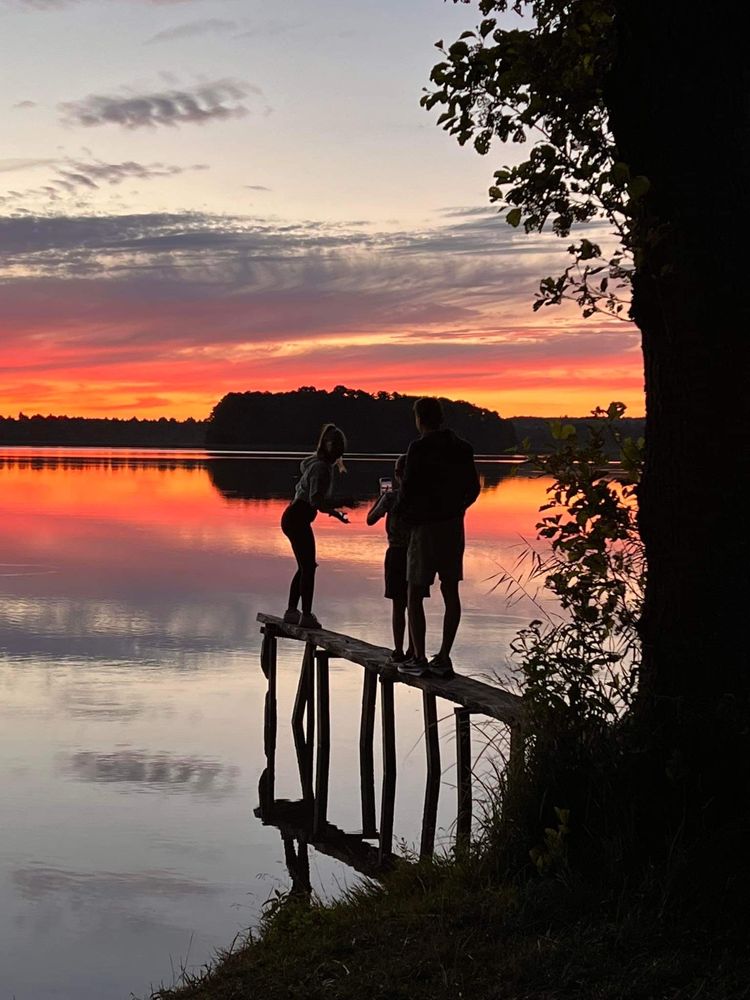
[473, 485]
[379, 509]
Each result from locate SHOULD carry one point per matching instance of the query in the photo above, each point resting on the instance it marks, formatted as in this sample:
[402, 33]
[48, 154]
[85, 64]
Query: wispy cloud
[74, 177]
[217, 101]
[208, 26]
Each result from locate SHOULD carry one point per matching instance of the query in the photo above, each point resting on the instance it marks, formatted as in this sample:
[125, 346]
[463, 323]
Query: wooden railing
[306, 820]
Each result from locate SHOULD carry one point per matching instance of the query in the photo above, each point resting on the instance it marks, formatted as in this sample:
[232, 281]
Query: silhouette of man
[440, 482]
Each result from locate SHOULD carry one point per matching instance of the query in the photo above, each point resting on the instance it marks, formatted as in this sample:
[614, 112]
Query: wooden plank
[388, 797]
[366, 756]
[323, 756]
[463, 776]
[432, 788]
[477, 696]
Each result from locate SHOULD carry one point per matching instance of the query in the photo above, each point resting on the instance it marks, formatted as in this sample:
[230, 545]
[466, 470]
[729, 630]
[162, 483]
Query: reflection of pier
[306, 820]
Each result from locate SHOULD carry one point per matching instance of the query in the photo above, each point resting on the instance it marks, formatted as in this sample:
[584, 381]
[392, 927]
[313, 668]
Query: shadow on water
[260, 478]
[236, 476]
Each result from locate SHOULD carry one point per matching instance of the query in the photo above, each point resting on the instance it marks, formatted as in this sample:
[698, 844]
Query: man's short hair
[429, 412]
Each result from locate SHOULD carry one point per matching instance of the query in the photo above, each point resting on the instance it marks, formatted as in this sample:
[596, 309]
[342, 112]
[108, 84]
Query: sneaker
[291, 616]
[414, 666]
[309, 621]
[441, 666]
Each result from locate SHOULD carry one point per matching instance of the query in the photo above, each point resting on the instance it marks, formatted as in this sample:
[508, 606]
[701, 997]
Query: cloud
[24, 105]
[74, 177]
[209, 25]
[256, 187]
[211, 303]
[58, 4]
[207, 102]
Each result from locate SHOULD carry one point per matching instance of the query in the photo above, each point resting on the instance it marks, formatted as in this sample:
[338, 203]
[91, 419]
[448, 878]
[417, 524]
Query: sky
[204, 196]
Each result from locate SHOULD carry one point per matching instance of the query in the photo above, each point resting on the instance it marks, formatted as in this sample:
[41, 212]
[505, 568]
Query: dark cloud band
[208, 102]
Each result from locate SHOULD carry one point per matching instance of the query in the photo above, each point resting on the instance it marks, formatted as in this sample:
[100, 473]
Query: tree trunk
[680, 101]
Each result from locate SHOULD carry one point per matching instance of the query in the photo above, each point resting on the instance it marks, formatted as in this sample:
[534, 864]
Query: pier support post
[267, 787]
[432, 788]
[463, 776]
[304, 706]
[388, 797]
[323, 756]
[366, 762]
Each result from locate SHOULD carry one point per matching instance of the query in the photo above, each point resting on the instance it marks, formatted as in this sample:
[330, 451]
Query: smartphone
[386, 484]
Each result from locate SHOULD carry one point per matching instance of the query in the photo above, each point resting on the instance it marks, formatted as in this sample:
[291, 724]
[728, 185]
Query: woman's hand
[339, 515]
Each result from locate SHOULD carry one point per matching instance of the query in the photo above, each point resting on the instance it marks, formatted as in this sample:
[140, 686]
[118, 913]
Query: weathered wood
[304, 706]
[388, 796]
[366, 761]
[295, 820]
[270, 716]
[463, 776]
[323, 755]
[432, 787]
[477, 696]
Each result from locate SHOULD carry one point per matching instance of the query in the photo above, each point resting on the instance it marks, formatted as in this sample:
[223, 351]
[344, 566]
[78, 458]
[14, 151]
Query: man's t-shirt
[440, 480]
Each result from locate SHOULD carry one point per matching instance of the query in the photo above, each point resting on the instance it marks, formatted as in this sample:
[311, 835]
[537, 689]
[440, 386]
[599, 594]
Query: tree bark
[680, 113]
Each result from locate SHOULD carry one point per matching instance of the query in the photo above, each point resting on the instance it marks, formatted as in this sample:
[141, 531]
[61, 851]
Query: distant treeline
[379, 422]
[290, 421]
[103, 432]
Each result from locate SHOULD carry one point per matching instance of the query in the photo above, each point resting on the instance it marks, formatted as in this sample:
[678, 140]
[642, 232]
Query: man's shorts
[396, 587]
[436, 548]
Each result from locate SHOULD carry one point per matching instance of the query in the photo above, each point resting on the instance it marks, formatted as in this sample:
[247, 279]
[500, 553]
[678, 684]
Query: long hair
[330, 432]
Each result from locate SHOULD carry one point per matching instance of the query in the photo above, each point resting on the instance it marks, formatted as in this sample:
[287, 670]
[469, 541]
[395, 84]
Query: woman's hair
[400, 466]
[330, 432]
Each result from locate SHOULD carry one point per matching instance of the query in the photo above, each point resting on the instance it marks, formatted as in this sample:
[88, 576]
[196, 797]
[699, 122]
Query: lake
[131, 739]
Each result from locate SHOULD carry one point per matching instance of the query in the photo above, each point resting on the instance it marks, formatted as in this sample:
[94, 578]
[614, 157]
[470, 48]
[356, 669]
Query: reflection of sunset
[155, 523]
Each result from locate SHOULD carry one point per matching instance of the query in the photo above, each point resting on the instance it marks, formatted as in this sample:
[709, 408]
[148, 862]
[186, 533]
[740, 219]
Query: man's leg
[452, 615]
[417, 623]
[398, 621]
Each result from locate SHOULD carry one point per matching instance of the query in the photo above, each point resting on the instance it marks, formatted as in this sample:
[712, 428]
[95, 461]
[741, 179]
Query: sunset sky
[200, 196]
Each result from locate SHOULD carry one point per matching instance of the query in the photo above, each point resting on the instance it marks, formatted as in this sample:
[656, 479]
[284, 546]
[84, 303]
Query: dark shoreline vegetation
[285, 421]
[459, 927]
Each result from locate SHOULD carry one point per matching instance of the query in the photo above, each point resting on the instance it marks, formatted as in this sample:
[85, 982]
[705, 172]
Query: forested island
[289, 421]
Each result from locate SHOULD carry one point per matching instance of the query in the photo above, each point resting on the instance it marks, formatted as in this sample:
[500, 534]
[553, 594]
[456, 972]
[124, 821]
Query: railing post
[388, 797]
[366, 761]
[463, 776]
[323, 756]
[432, 788]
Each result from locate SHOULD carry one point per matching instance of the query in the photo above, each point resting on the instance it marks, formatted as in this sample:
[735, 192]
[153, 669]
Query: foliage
[544, 83]
[374, 422]
[578, 670]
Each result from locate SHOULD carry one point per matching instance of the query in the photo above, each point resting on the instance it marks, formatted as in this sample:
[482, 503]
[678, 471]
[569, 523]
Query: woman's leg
[303, 546]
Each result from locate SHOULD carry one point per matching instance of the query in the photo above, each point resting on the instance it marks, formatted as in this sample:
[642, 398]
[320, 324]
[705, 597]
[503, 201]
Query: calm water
[131, 730]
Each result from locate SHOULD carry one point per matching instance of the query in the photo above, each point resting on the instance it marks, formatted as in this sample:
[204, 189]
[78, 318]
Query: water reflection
[131, 705]
[161, 771]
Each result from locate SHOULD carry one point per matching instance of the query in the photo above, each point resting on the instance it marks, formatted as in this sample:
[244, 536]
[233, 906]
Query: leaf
[513, 217]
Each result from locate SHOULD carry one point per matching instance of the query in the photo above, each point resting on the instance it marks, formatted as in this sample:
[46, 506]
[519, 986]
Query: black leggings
[296, 523]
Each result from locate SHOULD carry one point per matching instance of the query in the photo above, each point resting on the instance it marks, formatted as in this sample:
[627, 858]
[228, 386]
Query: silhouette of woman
[312, 493]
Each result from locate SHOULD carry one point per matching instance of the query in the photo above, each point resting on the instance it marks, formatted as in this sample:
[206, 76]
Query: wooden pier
[306, 820]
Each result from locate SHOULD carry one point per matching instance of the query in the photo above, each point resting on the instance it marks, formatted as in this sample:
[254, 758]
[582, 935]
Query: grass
[449, 930]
